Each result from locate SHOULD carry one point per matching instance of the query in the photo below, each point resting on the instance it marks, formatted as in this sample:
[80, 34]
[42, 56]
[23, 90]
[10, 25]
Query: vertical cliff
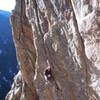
[65, 33]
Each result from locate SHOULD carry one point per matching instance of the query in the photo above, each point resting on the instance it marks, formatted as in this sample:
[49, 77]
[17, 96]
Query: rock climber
[49, 76]
[48, 72]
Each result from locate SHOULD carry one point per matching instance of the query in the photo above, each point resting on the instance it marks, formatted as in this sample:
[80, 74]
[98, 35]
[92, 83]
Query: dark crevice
[37, 16]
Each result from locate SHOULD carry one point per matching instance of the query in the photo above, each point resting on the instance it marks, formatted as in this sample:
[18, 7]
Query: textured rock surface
[65, 32]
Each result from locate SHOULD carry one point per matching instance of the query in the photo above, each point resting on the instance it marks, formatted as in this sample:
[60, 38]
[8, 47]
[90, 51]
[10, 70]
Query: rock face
[67, 34]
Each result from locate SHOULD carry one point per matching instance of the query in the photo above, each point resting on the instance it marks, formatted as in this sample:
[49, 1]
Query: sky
[7, 5]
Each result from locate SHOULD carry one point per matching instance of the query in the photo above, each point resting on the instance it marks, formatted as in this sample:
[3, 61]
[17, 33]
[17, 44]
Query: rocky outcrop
[16, 90]
[66, 33]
